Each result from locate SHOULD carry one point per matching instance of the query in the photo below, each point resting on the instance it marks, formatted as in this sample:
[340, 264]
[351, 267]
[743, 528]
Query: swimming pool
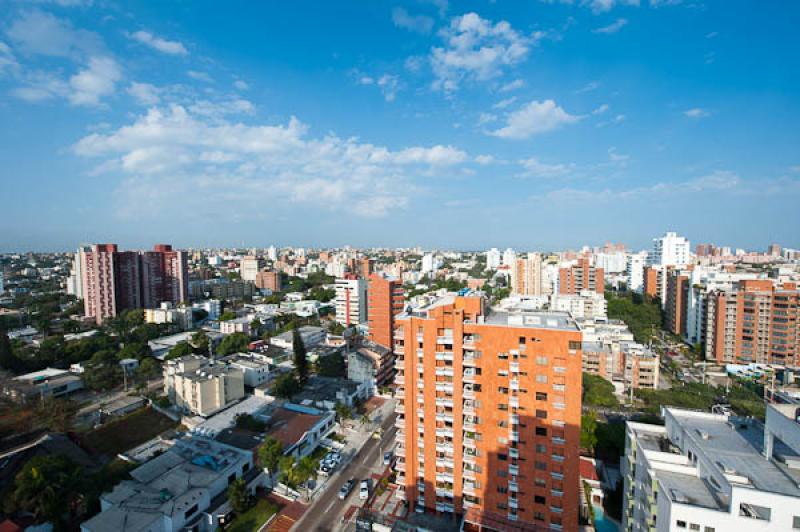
[603, 523]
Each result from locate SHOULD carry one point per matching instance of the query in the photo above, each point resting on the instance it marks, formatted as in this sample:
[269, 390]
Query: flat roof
[735, 446]
[534, 319]
[689, 489]
[222, 420]
[288, 426]
[47, 373]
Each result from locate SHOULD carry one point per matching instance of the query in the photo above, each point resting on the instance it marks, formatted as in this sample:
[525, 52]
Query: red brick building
[582, 276]
[385, 301]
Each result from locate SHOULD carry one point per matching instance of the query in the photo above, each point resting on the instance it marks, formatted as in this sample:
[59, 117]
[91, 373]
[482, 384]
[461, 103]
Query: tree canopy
[300, 357]
[233, 343]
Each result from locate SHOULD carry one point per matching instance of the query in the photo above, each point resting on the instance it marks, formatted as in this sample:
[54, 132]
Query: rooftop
[288, 426]
[533, 319]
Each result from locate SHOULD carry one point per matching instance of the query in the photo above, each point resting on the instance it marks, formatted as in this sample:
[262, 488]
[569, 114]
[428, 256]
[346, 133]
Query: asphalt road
[324, 513]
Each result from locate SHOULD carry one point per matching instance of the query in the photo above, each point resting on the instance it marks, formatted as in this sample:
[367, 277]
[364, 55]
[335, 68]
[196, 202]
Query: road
[325, 512]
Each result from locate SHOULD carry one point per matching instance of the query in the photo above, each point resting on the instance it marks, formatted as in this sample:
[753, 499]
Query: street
[326, 510]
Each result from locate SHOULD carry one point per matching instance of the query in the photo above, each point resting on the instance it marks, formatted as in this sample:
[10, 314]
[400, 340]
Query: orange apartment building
[651, 285]
[385, 298]
[269, 281]
[759, 321]
[582, 276]
[489, 419]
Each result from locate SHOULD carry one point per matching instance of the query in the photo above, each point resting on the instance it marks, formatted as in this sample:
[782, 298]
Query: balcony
[400, 393]
[556, 509]
[442, 492]
[513, 470]
[513, 367]
[469, 393]
[400, 408]
[557, 476]
[513, 402]
[514, 385]
[441, 401]
[444, 372]
[399, 349]
[400, 379]
[470, 488]
[400, 423]
[513, 436]
[444, 387]
[400, 450]
[513, 503]
[444, 340]
[470, 375]
[559, 441]
[512, 517]
[468, 407]
[420, 337]
[444, 433]
[513, 486]
[469, 361]
[513, 452]
[557, 457]
[444, 355]
[556, 493]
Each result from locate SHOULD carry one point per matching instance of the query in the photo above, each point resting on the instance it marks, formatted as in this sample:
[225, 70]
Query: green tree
[300, 358]
[137, 350]
[248, 422]
[270, 454]
[285, 470]
[8, 360]
[200, 342]
[149, 368]
[227, 316]
[103, 371]
[255, 327]
[233, 343]
[239, 496]
[285, 386]
[343, 412]
[331, 365]
[364, 419]
[181, 349]
[598, 392]
[47, 486]
[588, 428]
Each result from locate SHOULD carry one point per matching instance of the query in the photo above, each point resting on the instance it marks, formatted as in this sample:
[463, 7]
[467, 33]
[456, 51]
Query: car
[387, 457]
[363, 491]
[346, 488]
[326, 469]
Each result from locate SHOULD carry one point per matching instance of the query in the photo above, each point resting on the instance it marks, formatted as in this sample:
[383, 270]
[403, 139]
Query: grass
[127, 432]
[253, 518]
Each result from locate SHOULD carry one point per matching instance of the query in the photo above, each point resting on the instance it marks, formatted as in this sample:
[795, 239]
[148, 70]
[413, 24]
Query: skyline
[370, 125]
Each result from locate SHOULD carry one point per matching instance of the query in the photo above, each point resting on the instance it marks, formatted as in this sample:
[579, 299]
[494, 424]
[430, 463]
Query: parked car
[363, 491]
[387, 457]
[347, 487]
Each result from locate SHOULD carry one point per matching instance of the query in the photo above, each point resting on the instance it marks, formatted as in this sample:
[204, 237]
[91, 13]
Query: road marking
[328, 509]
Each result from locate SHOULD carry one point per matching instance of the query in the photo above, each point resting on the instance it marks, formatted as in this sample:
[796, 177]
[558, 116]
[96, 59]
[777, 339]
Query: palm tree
[364, 419]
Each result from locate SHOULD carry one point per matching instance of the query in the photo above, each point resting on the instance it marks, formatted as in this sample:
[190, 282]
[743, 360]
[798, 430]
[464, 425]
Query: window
[190, 512]
[541, 431]
[795, 523]
[541, 466]
[502, 406]
[502, 457]
[754, 511]
[541, 361]
[681, 524]
[540, 482]
[542, 379]
[502, 389]
[541, 448]
[538, 516]
[541, 414]
[541, 396]
[711, 529]
[539, 499]
[522, 340]
[574, 345]
[502, 473]
[694, 526]
[502, 506]
[502, 489]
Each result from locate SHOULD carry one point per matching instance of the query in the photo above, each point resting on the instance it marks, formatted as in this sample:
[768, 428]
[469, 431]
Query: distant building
[371, 363]
[581, 276]
[634, 271]
[311, 336]
[269, 281]
[351, 300]
[47, 383]
[526, 276]
[237, 325]
[385, 298]
[249, 268]
[167, 314]
[114, 281]
[670, 250]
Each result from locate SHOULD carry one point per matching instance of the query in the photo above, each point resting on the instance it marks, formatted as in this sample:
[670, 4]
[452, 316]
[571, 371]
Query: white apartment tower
[493, 259]
[634, 271]
[670, 250]
[351, 300]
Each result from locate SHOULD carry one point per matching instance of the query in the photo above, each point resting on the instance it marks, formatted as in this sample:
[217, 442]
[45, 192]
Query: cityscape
[407, 266]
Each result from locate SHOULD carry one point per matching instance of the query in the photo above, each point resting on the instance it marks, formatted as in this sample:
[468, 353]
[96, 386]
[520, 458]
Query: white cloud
[697, 112]
[241, 85]
[614, 27]
[502, 104]
[158, 43]
[7, 59]
[485, 118]
[591, 86]
[712, 34]
[484, 159]
[618, 119]
[388, 84]
[601, 109]
[223, 108]
[600, 6]
[94, 82]
[534, 168]
[441, 5]
[144, 93]
[476, 49]
[199, 75]
[417, 23]
[534, 118]
[174, 155]
[617, 157]
[37, 32]
[512, 86]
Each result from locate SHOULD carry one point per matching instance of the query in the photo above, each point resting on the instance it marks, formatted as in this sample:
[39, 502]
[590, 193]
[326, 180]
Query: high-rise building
[526, 276]
[712, 472]
[489, 424]
[272, 253]
[385, 302]
[581, 276]
[113, 281]
[670, 250]
[493, 259]
[365, 265]
[249, 268]
[509, 257]
[757, 321]
[351, 300]
[675, 309]
[75, 279]
[634, 271]
[430, 263]
[269, 281]
[774, 250]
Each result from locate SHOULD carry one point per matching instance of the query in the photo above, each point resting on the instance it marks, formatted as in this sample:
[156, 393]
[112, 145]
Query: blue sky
[541, 124]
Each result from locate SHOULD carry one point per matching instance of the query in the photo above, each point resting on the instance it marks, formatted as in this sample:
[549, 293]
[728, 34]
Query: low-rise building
[199, 386]
[255, 369]
[49, 382]
[167, 314]
[713, 472]
[371, 363]
[311, 336]
[237, 325]
[182, 489]
[325, 392]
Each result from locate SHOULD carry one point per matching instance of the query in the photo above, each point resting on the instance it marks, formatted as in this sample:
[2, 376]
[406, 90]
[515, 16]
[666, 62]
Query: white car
[363, 491]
